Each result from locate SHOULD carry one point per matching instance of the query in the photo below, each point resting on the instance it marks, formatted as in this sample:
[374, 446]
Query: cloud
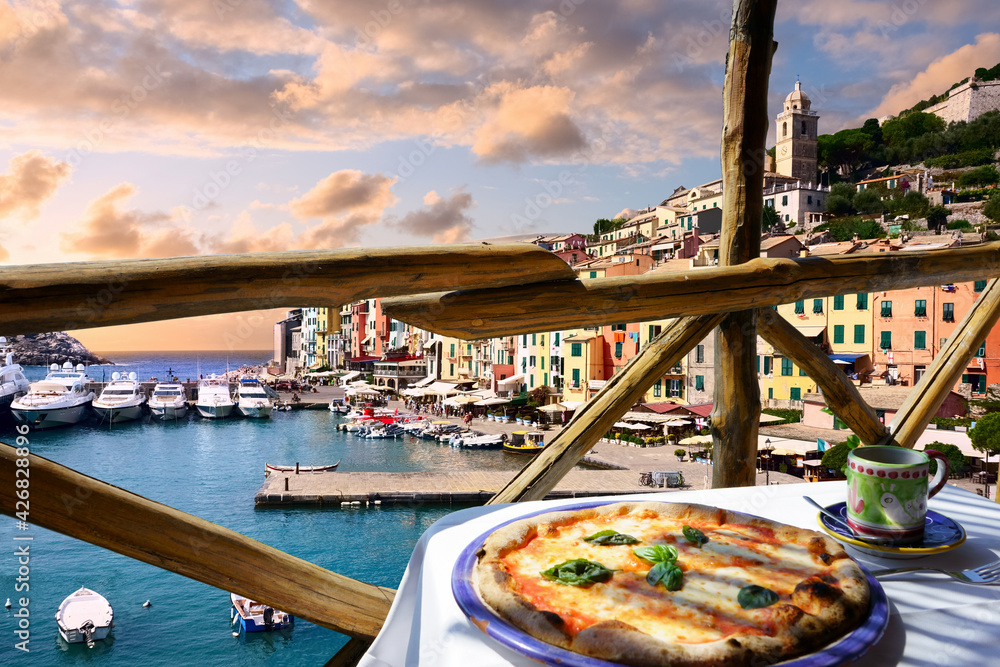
[111, 231]
[444, 220]
[940, 75]
[347, 190]
[529, 122]
[31, 179]
[627, 213]
[4, 254]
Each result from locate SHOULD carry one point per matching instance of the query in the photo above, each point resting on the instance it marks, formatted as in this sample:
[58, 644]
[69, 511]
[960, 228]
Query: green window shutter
[862, 302]
[886, 309]
[593, 274]
[919, 340]
[534, 339]
[838, 302]
[800, 307]
[524, 340]
[817, 306]
[557, 338]
[576, 377]
[838, 334]
[859, 334]
[451, 369]
[886, 341]
[949, 312]
[965, 378]
[542, 361]
[545, 379]
[699, 382]
[452, 350]
[758, 363]
[699, 354]
[657, 389]
[576, 350]
[786, 366]
[980, 285]
[531, 380]
[795, 393]
[982, 384]
[802, 372]
[767, 365]
[770, 392]
[618, 349]
[981, 352]
[920, 308]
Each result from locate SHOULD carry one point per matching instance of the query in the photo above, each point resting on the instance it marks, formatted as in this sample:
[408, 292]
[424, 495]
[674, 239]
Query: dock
[334, 489]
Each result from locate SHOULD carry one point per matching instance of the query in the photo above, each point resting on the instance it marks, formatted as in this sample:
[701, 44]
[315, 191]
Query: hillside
[983, 74]
[52, 348]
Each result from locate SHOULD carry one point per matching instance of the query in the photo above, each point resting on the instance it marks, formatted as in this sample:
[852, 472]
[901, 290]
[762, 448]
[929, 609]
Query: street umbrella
[622, 425]
[493, 401]
[638, 427]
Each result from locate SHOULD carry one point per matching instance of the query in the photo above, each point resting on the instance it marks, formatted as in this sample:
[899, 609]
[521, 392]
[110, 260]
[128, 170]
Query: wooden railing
[485, 291]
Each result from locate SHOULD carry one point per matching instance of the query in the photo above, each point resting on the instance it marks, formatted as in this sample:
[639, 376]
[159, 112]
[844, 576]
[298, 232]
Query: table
[934, 620]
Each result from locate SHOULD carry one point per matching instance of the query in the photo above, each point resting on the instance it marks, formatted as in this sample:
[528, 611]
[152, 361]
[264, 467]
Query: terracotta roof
[837, 248]
[777, 240]
[670, 265]
[884, 178]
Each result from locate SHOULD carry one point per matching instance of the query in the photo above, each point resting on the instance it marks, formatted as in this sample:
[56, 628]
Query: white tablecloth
[934, 619]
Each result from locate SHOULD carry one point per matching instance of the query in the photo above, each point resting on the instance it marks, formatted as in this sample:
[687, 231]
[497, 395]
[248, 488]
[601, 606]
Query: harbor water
[211, 469]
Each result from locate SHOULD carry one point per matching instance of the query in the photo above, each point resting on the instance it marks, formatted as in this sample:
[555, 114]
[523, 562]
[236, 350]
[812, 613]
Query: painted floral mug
[887, 491]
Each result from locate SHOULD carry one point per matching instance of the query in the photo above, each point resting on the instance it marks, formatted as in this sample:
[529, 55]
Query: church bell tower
[797, 133]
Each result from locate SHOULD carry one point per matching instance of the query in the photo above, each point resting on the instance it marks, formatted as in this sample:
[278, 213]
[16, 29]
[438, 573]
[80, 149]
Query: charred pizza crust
[830, 600]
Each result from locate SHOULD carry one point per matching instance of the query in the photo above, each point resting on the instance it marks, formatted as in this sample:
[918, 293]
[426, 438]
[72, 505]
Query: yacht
[251, 400]
[122, 399]
[61, 399]
[169, 401]
[214, 401]
[13, 384]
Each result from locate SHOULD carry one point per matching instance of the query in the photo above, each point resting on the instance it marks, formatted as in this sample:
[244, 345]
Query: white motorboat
[256, 616]
[122, 399]
[214, 401]
[169, 401]
[252, 401]
[13, 384]
[85, 616]
[60, 399]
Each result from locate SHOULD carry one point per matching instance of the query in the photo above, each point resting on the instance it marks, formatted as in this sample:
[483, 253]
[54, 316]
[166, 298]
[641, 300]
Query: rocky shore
[52, 348]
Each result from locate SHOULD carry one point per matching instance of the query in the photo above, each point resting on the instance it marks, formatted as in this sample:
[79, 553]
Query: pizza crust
[822, 608]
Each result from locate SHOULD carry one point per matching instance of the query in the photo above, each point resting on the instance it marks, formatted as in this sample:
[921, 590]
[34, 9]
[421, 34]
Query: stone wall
[969, 101]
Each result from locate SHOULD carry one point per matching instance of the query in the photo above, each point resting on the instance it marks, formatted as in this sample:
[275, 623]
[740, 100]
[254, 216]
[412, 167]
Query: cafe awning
[512, 381]
[811, 330]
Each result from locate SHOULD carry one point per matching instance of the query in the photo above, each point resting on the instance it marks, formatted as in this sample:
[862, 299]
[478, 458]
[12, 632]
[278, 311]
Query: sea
[211, 469]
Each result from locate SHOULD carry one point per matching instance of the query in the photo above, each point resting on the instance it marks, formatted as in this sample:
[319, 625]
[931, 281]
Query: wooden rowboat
[270, 467]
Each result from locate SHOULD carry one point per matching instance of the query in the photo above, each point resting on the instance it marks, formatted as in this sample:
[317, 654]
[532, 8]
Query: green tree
[979, 177]
[985, 437]
[992, 208]
[771, 218]
[838, 206]
[845, 190]
[835, 458]
[868, 201]
[912, 203]
[937, 216]
[956, 459]
[898, 130]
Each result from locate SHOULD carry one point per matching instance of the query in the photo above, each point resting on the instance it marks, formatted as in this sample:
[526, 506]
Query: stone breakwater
[52, 348]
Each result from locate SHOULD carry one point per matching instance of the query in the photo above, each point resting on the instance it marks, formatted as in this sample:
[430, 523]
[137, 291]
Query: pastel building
[582, 365]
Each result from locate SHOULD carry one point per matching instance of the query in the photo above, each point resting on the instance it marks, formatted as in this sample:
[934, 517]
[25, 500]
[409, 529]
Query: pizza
[671, 584]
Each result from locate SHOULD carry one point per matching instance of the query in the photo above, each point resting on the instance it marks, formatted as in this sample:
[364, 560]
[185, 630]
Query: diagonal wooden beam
[841, 396]
[90, 510]
[759, 283]
[350, 653]
[593, 419]
[736, 411]
[924, 400]
[79, 295]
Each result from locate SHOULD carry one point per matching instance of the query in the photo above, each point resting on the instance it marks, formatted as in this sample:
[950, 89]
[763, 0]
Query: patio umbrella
[622, 425]
[493, 401]
[639, 427]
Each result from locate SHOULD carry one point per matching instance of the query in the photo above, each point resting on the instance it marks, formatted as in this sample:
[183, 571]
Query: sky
[157, 128]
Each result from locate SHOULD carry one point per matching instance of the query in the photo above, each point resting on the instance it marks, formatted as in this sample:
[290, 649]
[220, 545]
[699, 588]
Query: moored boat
[85, 616]
[256, 616]
[214, 401]
[60, 399]
[121, 400]
[168, 402]
[13, 383]
[338, 406]
[271, 467]
[525, 442]
[251, 400]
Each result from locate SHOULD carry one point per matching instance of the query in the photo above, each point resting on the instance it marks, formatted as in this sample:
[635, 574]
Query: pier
[333, 489]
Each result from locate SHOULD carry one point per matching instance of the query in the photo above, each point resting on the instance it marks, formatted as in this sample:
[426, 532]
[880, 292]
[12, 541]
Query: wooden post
[736, 413]
[924, 400]
[596, 416]
[350, 654]
[841, 396]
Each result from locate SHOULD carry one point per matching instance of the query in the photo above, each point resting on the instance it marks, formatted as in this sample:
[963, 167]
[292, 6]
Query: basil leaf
[659, 553]
[694, 536]
[668, 574]
[756, 597]
[578, 572]
[606, 537]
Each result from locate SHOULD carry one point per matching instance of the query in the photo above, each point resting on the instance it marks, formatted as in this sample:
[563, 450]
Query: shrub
[959, 224]
[980, 176]
[956, 459]
[679, 452]
[838, 205]
[992, 208]
[835, 458]
[789, 416]
[964, 159]
[937, 216]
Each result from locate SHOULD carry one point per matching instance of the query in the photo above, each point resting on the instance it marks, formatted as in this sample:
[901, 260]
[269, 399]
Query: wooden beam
[349, 654]
[90, 510]
[736, 411]
[840, 394]
[593, 419]
[758, 283]
[924, 400]
[80, 295]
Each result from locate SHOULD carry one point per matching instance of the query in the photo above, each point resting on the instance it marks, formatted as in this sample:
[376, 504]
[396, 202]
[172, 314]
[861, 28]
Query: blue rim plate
[845, 650]
[940, 534]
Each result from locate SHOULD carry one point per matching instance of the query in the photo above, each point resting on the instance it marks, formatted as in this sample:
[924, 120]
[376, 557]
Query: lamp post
[768, 448]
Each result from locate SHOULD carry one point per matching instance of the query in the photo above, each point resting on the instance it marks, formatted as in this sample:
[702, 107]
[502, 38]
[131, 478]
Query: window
[524, 364]
[542, 361]
[767, 365]
[919, 340]
[618, 327]
[981, 352]
[593, 274]
[838, 334]
[859, 334]
[654, 331]
[545, 379]
[657, 389]
[887, 309]
[576, 377]
[784, 129]
[676, 388]
[809, 199]
[532, 361]
[531, 381]
[980, 285]
[758, 363]
[805, 130]
[802, 372]
[784, 200]
[941, 343]
[885, 342]
[452, 350]
[862, 302]
[618, 349]
[838, 302]
[949, 312]
[800, 307]
[524, 340]
[920, 308]
[786, 366]
[699, 354]
[699, 382]
[451, 370]
[534, 339]
[770, 392]
[557, 339]
[795, 393]
[576, 350]
[541, 341]
[817, 306]
[918, 372]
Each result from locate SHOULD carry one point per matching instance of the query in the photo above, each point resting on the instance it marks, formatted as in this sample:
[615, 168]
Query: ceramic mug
[887, 491]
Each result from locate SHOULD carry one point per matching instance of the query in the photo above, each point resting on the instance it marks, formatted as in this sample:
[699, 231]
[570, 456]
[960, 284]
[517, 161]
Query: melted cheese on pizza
[704, 609]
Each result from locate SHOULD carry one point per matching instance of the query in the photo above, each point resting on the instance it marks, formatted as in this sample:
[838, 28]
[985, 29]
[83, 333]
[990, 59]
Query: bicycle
[646, 479]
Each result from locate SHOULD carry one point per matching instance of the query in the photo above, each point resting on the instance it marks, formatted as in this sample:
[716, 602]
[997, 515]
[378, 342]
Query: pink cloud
[31, 179]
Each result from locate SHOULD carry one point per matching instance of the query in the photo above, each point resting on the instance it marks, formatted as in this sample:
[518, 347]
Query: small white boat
[214, 401]
[338, 406]
[252, 401]
[60, 399]
[85, 616]
[271, 467]
[122, 400]
[13, 383]
[169, 401]
[257, 617]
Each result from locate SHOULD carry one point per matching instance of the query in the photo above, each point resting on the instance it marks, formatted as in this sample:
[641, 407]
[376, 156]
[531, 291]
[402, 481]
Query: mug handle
[941, 476]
